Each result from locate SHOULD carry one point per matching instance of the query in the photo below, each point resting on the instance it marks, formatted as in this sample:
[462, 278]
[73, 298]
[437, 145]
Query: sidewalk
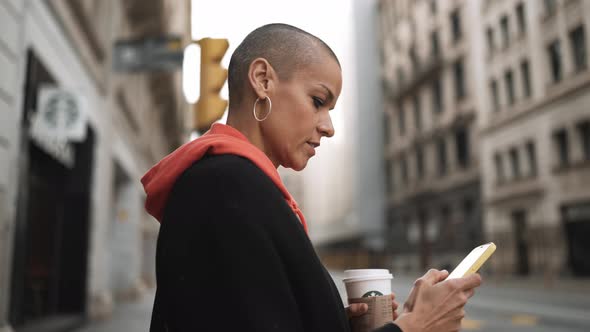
[127, 317]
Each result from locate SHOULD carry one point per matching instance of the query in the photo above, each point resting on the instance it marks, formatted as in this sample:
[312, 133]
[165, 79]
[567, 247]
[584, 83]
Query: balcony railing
[423, 72]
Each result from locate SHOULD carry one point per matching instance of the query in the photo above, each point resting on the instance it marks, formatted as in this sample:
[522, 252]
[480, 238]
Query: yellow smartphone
[473, 261]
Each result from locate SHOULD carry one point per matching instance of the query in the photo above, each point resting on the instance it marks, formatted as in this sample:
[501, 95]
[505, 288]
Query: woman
[233, 252]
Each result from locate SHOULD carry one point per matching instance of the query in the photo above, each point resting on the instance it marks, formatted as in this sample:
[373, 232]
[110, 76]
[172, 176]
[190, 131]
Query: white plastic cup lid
[357, 273]
[368, 278]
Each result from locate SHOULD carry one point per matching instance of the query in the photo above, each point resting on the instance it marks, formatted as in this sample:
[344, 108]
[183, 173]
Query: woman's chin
[298, 165]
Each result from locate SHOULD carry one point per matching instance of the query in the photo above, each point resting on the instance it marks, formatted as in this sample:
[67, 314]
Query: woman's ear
[262, 77]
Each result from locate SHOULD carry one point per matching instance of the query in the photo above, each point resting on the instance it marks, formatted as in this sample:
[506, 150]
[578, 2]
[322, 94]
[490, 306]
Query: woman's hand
[359, 309]
[436, 304]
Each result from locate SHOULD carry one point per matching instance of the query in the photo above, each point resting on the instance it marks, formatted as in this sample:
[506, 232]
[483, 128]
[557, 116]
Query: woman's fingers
[394, 306]
[357, 309]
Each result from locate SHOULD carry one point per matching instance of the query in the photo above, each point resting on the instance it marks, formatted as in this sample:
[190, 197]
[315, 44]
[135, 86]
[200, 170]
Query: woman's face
[301, 113]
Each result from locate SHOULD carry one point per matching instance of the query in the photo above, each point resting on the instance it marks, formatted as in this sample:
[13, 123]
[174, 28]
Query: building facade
[498, 155]
[433, 178]
[73, 234]
[536, 135]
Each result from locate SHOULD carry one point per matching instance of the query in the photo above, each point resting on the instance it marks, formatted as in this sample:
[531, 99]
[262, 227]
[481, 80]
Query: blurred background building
[431, 144]
[74, 237]
[487, 132]
[343, 186]
[535, 130]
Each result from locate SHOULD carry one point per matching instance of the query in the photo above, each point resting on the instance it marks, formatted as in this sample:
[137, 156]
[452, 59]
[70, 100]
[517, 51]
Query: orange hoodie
[220, 139]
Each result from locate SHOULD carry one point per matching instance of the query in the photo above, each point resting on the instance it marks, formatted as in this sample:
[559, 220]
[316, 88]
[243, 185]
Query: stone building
[433, 179]
[73, 234]
[536, 135]
[506, 146]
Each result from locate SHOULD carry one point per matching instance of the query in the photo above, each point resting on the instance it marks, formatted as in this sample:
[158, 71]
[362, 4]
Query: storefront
[52, 219]
[576, 222]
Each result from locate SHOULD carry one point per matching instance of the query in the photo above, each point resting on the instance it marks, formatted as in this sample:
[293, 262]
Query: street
[516, 306]
[497, 306]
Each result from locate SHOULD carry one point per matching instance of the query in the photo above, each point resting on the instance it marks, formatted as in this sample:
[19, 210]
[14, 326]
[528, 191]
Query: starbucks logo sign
[372, 294]
[59, 120]
[64, 103]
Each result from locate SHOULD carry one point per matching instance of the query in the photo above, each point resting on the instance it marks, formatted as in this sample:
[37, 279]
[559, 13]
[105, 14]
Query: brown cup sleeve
[380, 313]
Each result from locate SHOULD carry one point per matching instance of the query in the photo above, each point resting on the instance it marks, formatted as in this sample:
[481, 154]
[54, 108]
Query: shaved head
[285, 47]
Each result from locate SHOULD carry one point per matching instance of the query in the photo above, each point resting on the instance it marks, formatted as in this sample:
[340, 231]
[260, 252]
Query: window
[505, 31]
[389, 176]
[562, 145]
[401, 120]
[500, 176]
[520, 17]
[437, 102]
[404, 169]
[509, 81]
[515, 163]
[414, 59]
[555, 61]
[400, 77]
[491, 43]
[420, 162]
[442, 157]
[495, 95]
[433, 6]
[462, 145]
[386, 128]
[458, 70]
[417, 113]
[525, 71]
[434, 43]
[456, 25]
[532, 156]
[468, 210]
[550, 6]
[584, 130]
[447, 223]
[578, 41]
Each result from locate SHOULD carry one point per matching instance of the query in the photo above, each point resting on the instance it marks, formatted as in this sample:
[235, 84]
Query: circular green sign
[372, 294]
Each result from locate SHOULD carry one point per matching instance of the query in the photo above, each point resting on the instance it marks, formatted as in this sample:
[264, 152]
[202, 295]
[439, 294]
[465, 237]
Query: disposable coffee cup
[373, 287]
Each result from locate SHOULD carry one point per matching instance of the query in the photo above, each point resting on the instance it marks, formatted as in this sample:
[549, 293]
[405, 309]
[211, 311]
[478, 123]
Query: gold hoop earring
[269, 109]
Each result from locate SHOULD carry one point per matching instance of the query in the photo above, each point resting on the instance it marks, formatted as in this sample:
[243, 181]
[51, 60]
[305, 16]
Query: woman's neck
[250, 128]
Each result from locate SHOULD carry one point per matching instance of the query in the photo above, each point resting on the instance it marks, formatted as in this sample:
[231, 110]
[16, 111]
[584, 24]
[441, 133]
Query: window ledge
[546, 15]
[572, 166]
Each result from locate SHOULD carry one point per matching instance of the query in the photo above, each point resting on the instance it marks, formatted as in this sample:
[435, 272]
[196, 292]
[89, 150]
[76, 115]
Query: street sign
[164, 53]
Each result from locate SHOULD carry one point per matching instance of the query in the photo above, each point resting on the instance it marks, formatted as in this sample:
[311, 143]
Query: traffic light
[210, 106]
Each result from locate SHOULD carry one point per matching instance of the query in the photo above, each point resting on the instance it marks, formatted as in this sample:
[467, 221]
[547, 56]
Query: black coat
[232, 256]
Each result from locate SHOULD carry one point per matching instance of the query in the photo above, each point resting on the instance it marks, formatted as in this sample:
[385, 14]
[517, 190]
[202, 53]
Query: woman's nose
[325, 126]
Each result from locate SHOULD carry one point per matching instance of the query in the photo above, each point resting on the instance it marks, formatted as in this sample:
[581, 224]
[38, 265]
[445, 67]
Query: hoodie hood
[220, 139]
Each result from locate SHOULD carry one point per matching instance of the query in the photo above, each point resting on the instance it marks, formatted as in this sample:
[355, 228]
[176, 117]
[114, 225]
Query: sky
[234, 19]
[326, 188]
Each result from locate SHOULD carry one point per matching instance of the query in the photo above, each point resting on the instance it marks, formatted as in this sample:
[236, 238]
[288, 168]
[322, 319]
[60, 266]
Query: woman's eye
[318, 102]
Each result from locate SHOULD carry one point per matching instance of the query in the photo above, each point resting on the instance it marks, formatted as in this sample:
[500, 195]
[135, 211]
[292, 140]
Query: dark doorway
[577, 228]
[520, 242]
[51, 235]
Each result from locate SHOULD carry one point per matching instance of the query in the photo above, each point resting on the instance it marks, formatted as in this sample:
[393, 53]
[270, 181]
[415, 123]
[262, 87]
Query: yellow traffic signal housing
[210, 106]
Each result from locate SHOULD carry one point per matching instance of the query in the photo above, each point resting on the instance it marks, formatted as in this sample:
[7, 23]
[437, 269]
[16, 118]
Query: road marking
[525, 320]
[471, 324]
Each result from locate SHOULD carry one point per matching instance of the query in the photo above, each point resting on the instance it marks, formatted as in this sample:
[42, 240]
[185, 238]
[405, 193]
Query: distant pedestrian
[233, 251]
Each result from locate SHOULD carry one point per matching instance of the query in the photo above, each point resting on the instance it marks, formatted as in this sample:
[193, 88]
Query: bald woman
[233, 250]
